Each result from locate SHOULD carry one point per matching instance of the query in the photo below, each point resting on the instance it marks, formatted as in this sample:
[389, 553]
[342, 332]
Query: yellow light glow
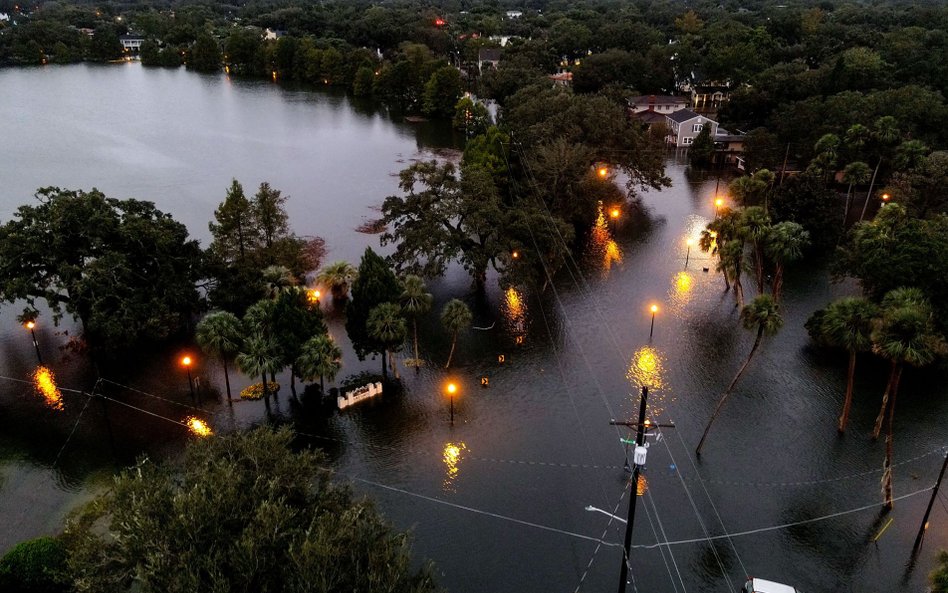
[614, 213]
[30, 325]
[515, 254]
[451, 456]
[646, 368]
[885, 197]
[313, 296]
[654, 309]
[689, 242]
[683, 283]
[612, 255]
[452, 388]
[718, 203]
[515, 312]
[603, 171]
[186, 361]
[198, 427]
[642, 486]
[45, 383]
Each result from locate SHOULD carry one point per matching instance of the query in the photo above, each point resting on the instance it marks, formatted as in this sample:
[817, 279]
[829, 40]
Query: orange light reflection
[45, 383]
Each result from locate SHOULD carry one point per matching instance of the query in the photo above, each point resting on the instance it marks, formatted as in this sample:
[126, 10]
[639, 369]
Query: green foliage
[387, 326]
[99, 259]
[471, 117]
[442, 92]
[35, 566]
[374, 285]
[337, 277]
[205, 54]
[242, 512]
[939, 576]
[702, 149]
[296, 321]
[319, 357]
[806, 200]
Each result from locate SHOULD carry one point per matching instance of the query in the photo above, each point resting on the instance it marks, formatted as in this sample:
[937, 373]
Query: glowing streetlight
[314, 296]
[451, 388]
[186, 362]
[651, 329]
[885, 199]
[30, 325]
[603, 172]
[515, 254]
[688, 243]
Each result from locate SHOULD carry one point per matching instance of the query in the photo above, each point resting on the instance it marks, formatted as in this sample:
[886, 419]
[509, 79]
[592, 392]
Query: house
[487, 58]
[272, 34]
[4, 16]
[662, 104]
[514, 14]
[87, 31]
[503, 40]
[131, 42]
[709, 97]
[561, 78]
[729, 148]
[684, 126]
[649, 118]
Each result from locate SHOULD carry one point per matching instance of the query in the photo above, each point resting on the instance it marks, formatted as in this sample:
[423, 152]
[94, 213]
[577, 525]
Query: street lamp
[186, 363]
[451, 388]
[603, 172]
[614, 215]
[314, 296]
[515, 254]
[718, 204]
[688, 243]
[651, 329]
[30, 325]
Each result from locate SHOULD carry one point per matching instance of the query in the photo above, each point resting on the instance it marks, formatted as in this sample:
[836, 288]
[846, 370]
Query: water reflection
[515, 314]
[45, 383]
[681, 289]
[198, 427]
[452, 458]
[602, 248]
[646, 368]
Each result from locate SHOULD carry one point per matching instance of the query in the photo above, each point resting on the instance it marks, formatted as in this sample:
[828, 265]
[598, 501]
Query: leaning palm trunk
[393, 363]
[848, 400]
[227, 381]
[384, 366]
[727, 392]
[266, 392]
[849, 194]
[893, 380]
[293, 380]
[889, 438]
[776, 286]
[869, 193]
[738, 291]
[759, 266]
[454, 341]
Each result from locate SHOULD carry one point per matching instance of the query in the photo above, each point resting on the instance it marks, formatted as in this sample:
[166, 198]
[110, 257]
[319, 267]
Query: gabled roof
[683, 115]
[658, 99]
[649, 116]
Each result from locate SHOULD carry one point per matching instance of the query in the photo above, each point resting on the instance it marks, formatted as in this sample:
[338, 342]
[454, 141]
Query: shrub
[255, 391]
[35, 566]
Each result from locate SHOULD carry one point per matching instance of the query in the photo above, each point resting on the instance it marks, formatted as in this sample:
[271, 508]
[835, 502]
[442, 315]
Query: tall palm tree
[260, 356]
[277, 279]
[764, 314]
[386, 324]
[337, 277]
[718, 233]
[731, 264]
[755, 225]
[416, 301]
[886, 133]
[220, 334]
[455, 316]
[904, 334]
[855, 173]
[847, 323]
[260, 318]
[319, 357]
[910, 154]
[784, 243]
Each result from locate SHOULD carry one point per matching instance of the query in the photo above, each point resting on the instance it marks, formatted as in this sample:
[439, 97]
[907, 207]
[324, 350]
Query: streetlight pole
[633, 493]
[688, 252]
[931, 502]
[651, 328]
[451, 389]
[30, 325]
[186, 361]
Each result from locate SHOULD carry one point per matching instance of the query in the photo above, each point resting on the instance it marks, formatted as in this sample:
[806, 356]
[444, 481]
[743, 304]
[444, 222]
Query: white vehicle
[762, 586]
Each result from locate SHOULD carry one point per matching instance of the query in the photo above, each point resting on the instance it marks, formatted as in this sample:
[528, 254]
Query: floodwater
[498, 499]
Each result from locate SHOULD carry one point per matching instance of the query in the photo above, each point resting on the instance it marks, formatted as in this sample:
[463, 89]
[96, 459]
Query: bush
[35, 566]
[255, 391]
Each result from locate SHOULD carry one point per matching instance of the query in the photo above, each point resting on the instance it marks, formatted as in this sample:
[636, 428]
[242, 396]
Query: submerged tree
[375, 284]
[416, 301]
[455, 316]
[337, 277]
[243, 512]
[221, 334]
[387, 326]
[764, 315]
[319, 357]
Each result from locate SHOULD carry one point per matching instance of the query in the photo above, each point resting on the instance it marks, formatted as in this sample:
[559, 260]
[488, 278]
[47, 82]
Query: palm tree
[455, 316]
[416, 301]
[319, 357]
[855, 173]
[260, 318]
[337, 277]
[220, 334]
[277, 279]
[847, 323]
[764, 314]
[755, 225]
[260, 356]
[857, 135]
[784, 243]
[910, 154]
[904, 334]
[731, 264]
[886, 132]
[386, 324]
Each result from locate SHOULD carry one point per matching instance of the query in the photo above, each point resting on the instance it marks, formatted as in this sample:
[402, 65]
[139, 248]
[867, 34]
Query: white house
[514, 14]
[664, 104]
[273, 34]
[131, 42]
[4, 16]
[488, 58]
[684, 126]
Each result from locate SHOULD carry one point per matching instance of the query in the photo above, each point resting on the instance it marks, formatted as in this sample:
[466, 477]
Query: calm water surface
[498, 499]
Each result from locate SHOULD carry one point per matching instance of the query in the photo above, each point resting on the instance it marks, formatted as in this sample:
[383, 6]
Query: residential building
[662, 104]
[561, 78]
[272, 34]
[488, 58]
[131, 42]
[684, 126]
[729, 148]
[514, 14]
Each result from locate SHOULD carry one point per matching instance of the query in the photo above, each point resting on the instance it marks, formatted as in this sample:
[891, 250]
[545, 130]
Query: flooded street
[498, 500]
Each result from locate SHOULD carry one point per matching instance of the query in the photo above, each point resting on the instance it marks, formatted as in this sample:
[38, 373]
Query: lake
[498, 500]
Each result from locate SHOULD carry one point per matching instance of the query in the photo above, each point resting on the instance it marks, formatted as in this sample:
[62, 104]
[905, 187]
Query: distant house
[684, 126]
[514, 14]
[271, 34]
[662, 104]
[488, 58]
[4, 16]
[503, 40]
[131, 42]
[729, 148]
[562, 78]
[87, 31]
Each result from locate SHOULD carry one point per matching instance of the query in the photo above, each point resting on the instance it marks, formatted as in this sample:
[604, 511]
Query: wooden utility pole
[928, 511]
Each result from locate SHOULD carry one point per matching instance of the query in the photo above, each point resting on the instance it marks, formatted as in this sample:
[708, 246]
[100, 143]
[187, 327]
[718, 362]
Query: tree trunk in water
[777, 285]
[727, 392]
[738, 292]
[877, 428]
[393, 362]
[454, 341]
[384, 368]
[227, 381]
[414, 322]
[759, 266]
[848, 400]
[727, 282]
[293, 380]
[889, 438]
[266, 392]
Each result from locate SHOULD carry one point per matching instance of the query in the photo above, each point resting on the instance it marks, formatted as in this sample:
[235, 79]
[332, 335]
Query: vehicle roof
[764, 586]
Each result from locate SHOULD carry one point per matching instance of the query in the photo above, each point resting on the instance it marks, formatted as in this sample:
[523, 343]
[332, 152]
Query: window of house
[697, 127]
[687, 140]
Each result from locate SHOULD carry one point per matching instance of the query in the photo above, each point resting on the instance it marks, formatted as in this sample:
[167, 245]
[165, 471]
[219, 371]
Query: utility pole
[638, 457]
[924, 525]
